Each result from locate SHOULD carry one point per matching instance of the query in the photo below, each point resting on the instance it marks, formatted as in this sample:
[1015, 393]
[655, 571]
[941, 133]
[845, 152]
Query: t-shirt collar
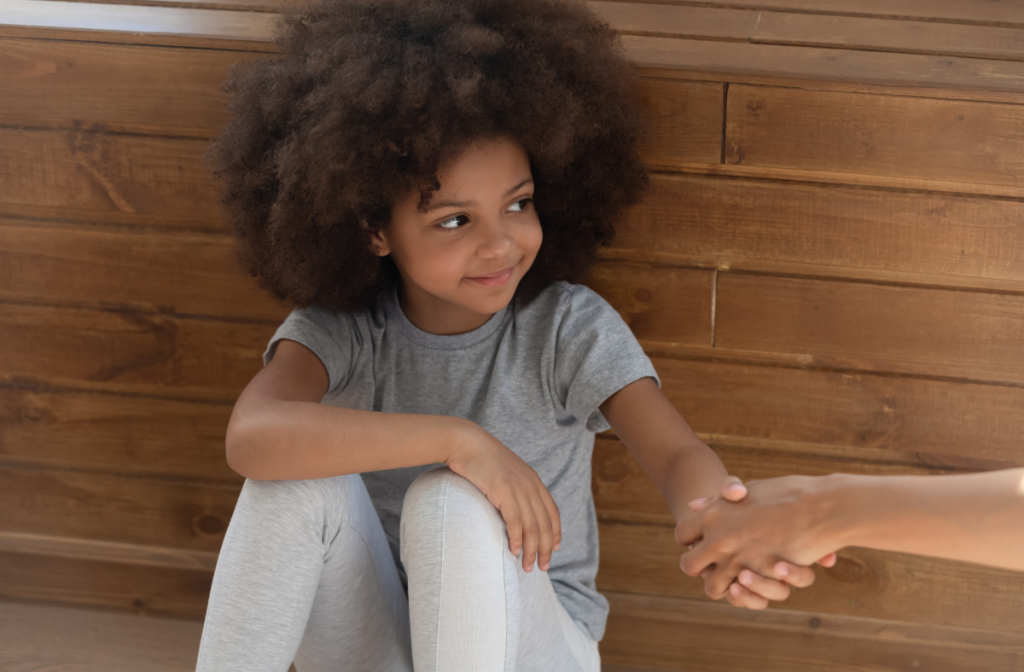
[396, 315]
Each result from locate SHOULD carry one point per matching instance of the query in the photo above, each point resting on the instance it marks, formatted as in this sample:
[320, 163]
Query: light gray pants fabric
[305, 574]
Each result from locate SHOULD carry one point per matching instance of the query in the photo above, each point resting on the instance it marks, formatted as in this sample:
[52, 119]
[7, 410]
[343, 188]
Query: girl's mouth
[496, 278]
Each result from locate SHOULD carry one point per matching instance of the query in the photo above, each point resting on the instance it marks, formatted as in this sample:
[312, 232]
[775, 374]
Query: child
[425, 180]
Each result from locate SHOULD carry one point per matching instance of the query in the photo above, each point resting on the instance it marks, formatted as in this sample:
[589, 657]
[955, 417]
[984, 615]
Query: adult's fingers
[718, 579]
[739, 596]
[797, 576]
[770, 589]
[733, 489]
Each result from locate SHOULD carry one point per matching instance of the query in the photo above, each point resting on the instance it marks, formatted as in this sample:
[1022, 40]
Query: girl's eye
[520, 205]
[453, 222]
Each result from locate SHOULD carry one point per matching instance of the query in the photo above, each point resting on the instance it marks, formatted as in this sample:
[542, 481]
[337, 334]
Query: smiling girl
[425, 180]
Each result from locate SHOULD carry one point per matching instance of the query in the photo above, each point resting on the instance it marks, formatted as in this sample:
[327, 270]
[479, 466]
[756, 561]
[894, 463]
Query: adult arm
[970, 517]
[683, 468]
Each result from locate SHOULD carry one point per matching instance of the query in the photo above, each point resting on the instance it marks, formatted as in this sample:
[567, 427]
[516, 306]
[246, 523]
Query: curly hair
[366, 101]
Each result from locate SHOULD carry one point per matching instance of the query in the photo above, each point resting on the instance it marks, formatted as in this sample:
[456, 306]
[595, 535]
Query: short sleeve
[596, 355]
[332, 337]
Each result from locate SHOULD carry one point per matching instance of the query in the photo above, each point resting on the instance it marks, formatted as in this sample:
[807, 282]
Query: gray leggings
[305, 574]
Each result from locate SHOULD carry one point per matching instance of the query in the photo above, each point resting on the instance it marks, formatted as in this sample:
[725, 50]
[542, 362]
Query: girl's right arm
[279, 430]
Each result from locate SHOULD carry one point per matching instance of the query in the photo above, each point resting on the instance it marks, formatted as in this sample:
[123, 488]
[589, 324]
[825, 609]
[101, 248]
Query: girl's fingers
[797, 576]
[770, 589]
[554, 516]
[740, 596]
[829, 560]
[514, 527]
[545, 536]
[531, 536]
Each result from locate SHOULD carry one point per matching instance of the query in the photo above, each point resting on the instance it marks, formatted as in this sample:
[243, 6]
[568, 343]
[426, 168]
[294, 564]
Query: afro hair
[367, 99]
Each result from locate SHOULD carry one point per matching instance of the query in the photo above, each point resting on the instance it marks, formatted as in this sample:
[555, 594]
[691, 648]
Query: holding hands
[754, 541]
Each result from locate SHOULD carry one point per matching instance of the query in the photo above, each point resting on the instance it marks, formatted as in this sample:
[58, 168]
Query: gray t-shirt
[533, 376]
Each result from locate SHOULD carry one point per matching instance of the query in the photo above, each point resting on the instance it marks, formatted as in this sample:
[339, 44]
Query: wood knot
[210, 524]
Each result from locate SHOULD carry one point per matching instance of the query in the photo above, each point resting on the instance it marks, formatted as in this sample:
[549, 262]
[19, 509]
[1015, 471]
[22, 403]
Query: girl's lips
[499, 278]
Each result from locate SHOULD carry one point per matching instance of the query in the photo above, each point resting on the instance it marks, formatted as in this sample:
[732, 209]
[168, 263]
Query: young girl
[425, 179]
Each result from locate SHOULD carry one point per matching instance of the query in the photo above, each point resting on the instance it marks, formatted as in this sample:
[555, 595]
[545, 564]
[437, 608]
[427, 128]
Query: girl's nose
[495, 242]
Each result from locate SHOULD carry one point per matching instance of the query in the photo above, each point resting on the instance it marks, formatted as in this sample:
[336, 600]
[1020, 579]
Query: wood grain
[678, 634]
[724, 222]
[181, 273]
[657, 301]
[130, 351]
[957, 11]
[118, 434]
[868, 327]
[177, 25]
[37, 637]
[683, 120]
[788, 65]
[140, 589]
[124, 88]
[878, 135]
[125, 509]
[874, 34]
[103, 173]
[942, 423]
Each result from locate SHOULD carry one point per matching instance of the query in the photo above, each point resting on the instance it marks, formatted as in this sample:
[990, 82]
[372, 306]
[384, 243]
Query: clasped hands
[753, 542]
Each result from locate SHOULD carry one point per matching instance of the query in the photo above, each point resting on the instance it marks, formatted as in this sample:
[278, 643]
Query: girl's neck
[435, 316]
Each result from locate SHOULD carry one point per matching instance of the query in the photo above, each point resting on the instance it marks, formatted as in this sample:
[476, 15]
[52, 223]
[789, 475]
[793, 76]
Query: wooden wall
[828, 272]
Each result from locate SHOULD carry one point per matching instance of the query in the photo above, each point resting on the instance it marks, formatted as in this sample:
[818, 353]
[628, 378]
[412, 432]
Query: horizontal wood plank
[870, 327]
[129, 435]
[787, 65]
[37, 637]
[131, 351]
[683, 120]
[655, 301]
[140, 589]
[644, 559]
[182, 273]
[124, 88]
[104, 173]
[874, 34]
[936, 422]
[956, 11]
[124, 509]
[878, 135]
[177, 26]
[678, 634]
[724, 222]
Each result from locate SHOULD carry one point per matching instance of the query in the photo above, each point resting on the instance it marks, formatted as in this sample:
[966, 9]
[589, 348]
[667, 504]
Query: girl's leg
[305, 573]
[473, 608]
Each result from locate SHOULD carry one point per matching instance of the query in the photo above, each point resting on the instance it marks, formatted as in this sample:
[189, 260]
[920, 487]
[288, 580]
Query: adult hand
[514, 488]
[732, 535]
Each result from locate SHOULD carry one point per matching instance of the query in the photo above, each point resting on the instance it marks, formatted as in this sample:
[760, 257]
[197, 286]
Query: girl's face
[462, 257]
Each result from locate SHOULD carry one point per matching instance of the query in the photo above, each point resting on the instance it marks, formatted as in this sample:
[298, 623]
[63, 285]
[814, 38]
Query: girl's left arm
[683, 468]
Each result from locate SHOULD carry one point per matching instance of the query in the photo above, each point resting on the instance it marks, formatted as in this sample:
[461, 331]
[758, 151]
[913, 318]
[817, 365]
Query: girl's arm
[683, 468]
[279, 430]
[971, 517]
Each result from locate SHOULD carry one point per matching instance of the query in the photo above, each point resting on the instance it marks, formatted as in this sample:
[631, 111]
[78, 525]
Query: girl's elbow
[239, 448]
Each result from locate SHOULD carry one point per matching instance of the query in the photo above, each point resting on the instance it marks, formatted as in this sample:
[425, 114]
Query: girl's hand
[514, 488]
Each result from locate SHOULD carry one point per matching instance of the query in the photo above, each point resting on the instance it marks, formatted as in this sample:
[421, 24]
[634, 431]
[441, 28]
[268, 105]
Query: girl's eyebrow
[463, 204]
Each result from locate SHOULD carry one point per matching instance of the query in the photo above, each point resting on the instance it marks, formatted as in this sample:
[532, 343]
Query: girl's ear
[378, 244]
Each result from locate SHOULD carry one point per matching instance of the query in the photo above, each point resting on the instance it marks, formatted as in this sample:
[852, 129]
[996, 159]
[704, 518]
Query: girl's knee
[313, 495]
